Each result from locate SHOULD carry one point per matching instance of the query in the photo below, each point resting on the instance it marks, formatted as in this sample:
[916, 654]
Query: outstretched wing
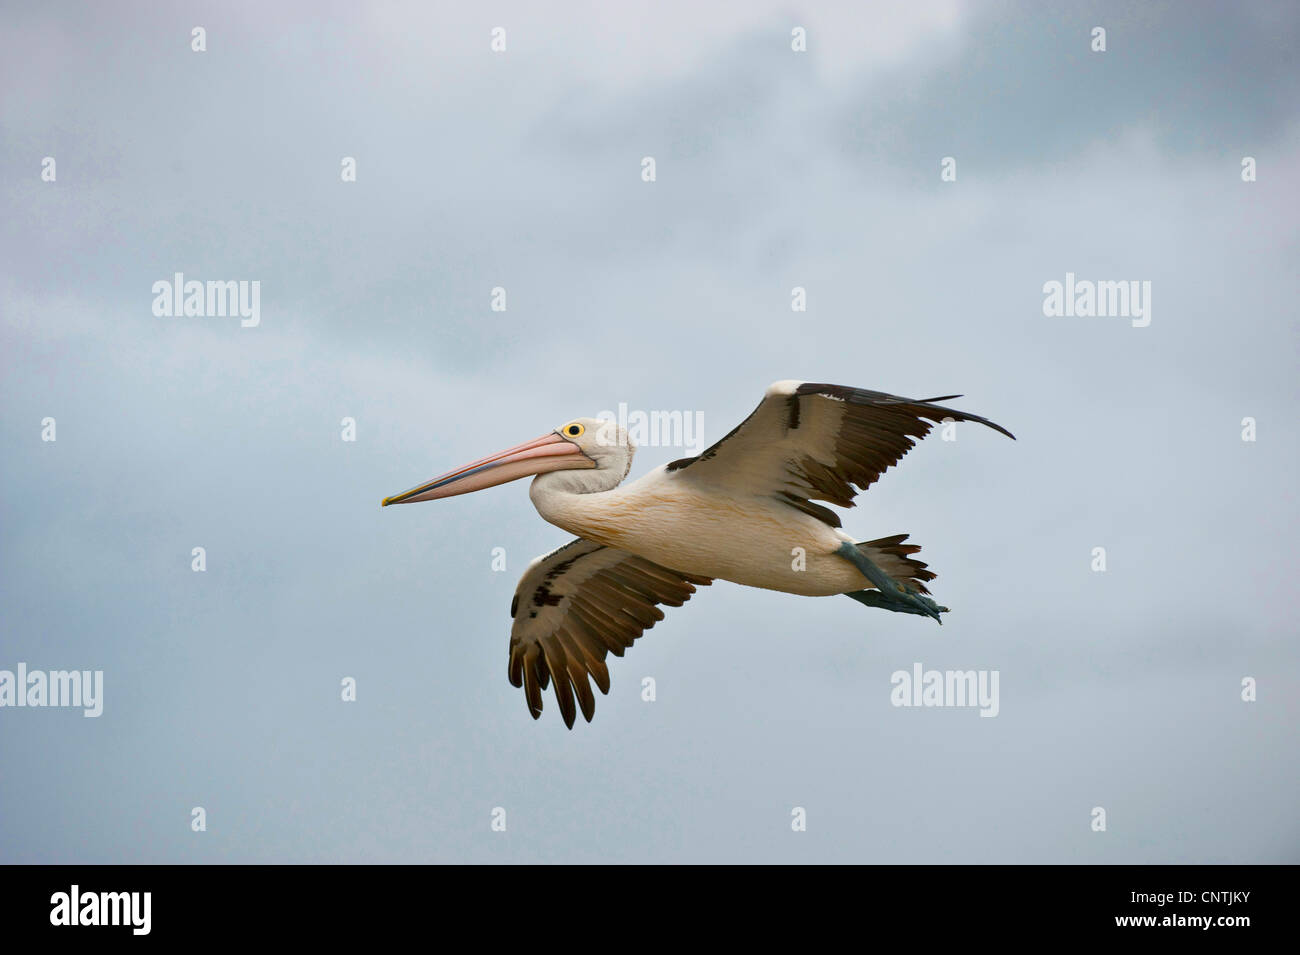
[577, 604]
[807, 442]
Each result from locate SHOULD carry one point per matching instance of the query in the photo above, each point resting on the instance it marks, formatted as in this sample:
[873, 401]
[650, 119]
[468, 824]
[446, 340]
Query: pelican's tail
[892, 556]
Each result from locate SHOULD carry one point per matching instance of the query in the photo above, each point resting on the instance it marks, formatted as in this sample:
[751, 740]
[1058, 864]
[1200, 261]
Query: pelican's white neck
[573, 481]
[566, 498]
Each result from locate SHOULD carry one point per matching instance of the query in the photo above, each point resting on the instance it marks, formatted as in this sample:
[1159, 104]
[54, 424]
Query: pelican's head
[582, 444]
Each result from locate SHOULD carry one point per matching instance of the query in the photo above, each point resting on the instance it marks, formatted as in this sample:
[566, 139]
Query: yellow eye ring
[573, 430]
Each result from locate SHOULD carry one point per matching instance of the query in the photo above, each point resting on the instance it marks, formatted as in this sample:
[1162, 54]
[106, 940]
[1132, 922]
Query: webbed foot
[890, 594]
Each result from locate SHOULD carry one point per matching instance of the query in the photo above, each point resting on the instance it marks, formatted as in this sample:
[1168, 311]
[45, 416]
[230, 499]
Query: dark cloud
[1026, 91]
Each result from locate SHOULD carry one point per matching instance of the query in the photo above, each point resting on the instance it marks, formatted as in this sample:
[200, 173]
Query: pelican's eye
[573, 430]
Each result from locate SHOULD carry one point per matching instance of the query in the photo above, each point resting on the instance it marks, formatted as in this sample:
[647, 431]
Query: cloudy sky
[522, 169]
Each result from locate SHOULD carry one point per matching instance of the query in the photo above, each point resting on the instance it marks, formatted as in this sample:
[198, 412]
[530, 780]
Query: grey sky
[775, 169]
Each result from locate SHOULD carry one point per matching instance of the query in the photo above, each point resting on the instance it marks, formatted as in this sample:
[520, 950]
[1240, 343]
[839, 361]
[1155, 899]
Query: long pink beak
[550, 452]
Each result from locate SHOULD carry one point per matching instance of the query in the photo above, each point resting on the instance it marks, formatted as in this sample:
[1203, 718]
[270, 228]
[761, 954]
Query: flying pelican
[735, 512]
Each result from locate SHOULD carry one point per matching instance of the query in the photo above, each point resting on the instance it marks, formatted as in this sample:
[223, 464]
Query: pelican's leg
[890, 595]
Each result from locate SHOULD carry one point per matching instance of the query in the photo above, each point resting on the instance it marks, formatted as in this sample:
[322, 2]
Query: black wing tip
[988, 424]
[865, 396]
[995, 426]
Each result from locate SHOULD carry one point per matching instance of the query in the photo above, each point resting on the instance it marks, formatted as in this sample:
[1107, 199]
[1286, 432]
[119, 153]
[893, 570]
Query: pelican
[743, 510]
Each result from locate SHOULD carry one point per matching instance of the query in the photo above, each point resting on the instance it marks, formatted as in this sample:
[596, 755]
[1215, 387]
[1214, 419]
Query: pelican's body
[743, 510]
[747, 539]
